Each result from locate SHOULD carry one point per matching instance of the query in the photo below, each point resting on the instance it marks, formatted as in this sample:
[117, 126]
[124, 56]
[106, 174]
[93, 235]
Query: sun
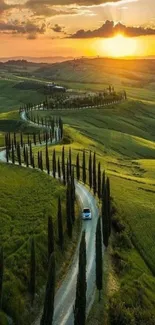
[120, 46]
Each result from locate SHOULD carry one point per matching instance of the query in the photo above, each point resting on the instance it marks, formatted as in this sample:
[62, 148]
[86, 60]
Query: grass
[27, 199]
[12, 98]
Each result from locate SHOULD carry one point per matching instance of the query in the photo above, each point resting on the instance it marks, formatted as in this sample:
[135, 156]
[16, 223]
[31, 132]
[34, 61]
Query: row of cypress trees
[102, 240]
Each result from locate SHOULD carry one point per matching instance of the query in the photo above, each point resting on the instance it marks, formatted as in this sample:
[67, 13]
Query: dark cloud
[68, 2]
[4, 6]
[57, 28]
[27, 28]
[44, 8]
[108, 29]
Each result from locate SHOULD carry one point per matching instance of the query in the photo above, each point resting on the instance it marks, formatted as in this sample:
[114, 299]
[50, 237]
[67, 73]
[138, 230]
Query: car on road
[86, 214]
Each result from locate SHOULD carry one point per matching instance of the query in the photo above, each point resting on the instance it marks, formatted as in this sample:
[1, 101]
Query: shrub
[119, 314]
[3, 319]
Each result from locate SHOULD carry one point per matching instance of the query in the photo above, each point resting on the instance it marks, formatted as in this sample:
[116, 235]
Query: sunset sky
[77, 28]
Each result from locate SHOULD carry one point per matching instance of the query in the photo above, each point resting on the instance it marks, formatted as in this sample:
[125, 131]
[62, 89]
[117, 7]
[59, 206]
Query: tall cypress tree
[99, 258]
[63, 159]
[108, 204]
[78, 167]
[94, 174]
[60, 226]
[19, 154]
[1, 275]
[27, 156]
[15, 141]
[47, 160]
[72, 197]
[68, 210]
[41, 161]
[50, 237]
[67, 172]
[70, 161]
[59, 169]
[90, 170]
[105, 221]
[21, 139]
[54, 163]
[103, 182]
[13, 154]
[47, 317]
[84, 167]
[31, 154]
[32, 271]
[99, 180]
[81, 287]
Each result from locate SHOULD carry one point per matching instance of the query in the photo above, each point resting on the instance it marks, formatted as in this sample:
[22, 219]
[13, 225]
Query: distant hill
[37, 60]
[139, 73]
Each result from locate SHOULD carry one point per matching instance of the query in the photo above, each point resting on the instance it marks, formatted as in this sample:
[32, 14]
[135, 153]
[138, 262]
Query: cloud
[68, 2]
[109, 29]
[28, 28]
[57, 28]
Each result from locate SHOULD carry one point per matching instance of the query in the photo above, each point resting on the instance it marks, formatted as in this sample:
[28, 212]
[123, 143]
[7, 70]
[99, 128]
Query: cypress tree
[21, 139]
[108, 204]
[38, 159]
[70, 161]
[68, 172]
[105, 221]
[99, 180]
[59, 169]
[60, 226]
[28, 140]
[27, 156]
[13, 154]
[47, 317]
[84, 167]
[81, 287]
[7, 148]
[78, 167]
[18, 154]
[15, 141]
[72, 197]
[99, 258]
[41, 161]
[24, 154]
[31, 154]
[94, 174]
[47, 160]
[34, 139]
[54, 163]
[32, 271]
[50, 237]
[63, 159]
[33, 163]
[68, 211]
[1, 276]
[39, 137]
[90, 170]
[103, 183]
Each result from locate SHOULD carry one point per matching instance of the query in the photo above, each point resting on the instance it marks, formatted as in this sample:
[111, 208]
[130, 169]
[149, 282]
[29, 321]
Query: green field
[27, 199]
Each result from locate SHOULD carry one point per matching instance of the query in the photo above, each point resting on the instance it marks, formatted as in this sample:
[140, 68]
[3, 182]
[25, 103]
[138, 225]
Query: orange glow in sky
[120, 46]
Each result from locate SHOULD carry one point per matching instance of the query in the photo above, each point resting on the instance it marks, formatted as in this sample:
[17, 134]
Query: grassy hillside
[136, 76]
[123, 138]
[27, 199]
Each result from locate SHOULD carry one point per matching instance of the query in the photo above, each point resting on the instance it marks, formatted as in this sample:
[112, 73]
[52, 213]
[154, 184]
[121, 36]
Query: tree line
[65, 170]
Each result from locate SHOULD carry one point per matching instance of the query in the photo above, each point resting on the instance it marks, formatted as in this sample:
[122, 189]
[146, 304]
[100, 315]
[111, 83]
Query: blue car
[86, 214]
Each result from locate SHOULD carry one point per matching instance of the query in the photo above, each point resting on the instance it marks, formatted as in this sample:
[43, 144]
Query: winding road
[65, 296]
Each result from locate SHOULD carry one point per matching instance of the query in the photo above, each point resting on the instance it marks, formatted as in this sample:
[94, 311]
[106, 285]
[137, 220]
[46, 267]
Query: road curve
[65, 296]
